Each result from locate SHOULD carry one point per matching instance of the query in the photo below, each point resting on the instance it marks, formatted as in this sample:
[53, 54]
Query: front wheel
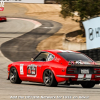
[14, 78]
[88, 84]
[49, 78]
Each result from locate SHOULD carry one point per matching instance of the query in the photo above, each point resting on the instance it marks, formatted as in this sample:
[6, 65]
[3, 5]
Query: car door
[34, 69]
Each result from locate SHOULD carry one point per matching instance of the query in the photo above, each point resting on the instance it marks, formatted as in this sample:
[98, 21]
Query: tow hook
[84, 79]
[68, 82]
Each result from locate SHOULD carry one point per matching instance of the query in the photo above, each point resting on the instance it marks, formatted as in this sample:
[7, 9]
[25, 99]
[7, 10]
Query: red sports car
[53, 66]
[3, 18]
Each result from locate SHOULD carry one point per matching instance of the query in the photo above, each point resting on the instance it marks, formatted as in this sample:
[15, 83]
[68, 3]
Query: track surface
[24, 47]
[8, 90]
[36, 89]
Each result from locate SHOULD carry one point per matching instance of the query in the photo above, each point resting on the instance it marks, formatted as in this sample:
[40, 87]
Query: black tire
[88, 84]
[49, 78]
[14, 78]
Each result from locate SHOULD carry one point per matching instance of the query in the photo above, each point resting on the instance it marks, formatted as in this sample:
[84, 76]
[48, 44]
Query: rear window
[72, 56]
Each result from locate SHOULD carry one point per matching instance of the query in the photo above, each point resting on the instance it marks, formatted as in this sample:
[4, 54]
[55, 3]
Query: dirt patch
[46, 12]
[52, 12]
[75, 36]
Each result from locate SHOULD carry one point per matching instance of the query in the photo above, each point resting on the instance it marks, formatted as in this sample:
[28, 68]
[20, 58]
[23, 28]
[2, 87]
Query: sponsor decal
[57, 59]
[1, 5]
[31, 70]
[50, 57]
[21, 69]
[92, 30]
[94, 33]
[78, 62]
[91, 36]
[84, 77]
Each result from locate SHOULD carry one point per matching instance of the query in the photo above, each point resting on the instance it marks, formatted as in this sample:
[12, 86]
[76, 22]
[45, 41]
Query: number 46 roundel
[32, 70]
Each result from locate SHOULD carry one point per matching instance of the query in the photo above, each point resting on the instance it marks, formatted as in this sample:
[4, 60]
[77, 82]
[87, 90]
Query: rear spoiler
[84, 65]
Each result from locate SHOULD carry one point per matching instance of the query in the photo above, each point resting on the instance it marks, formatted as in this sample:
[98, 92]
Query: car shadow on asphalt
[3, 21]
[59, 86]
[77, 86]
[35, 84]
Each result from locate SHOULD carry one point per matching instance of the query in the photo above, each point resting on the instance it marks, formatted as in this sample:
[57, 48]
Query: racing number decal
[32, 70]
[21, 69]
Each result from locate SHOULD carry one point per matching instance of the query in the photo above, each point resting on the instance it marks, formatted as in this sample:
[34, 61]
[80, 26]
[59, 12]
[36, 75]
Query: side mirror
[32, 59]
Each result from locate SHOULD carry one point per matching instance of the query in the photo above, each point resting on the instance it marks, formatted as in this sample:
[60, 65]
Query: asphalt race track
[24, 47]
[19, 45]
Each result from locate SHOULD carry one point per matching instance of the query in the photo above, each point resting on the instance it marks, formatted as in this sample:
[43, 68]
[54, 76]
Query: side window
[50, 57]
[42, 56]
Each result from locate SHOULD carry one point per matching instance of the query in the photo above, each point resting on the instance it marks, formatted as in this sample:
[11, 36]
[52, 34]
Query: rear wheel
[88, 84]
[14, 78]
[49, 78]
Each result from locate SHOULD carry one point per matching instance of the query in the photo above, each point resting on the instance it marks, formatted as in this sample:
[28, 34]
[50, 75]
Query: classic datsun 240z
[53, 66]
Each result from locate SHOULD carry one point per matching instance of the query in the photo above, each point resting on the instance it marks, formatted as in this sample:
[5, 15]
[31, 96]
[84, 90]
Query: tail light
[72, 70]
[97, 70]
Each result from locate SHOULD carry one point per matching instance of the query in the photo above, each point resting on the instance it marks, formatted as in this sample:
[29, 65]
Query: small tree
[85, 8]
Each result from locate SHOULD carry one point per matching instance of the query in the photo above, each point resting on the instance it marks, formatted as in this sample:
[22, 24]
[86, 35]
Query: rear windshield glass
[74, 56]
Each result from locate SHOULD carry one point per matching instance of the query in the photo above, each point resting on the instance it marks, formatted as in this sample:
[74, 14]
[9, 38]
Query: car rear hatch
[83, 69]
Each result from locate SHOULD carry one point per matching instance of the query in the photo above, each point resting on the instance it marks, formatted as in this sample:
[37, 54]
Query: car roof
[58, 51]
[2, 16]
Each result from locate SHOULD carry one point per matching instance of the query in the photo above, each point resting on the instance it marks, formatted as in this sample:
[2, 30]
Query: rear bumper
[73, 76]
[79, 77]
[66, 76]
[97, 76]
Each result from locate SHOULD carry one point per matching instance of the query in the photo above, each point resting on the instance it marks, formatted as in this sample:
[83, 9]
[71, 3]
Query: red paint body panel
[58, 66]
[3, 18]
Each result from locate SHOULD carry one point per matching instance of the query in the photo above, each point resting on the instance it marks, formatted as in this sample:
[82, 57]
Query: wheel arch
[51, 70]
[17, 78]
[16, 69]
